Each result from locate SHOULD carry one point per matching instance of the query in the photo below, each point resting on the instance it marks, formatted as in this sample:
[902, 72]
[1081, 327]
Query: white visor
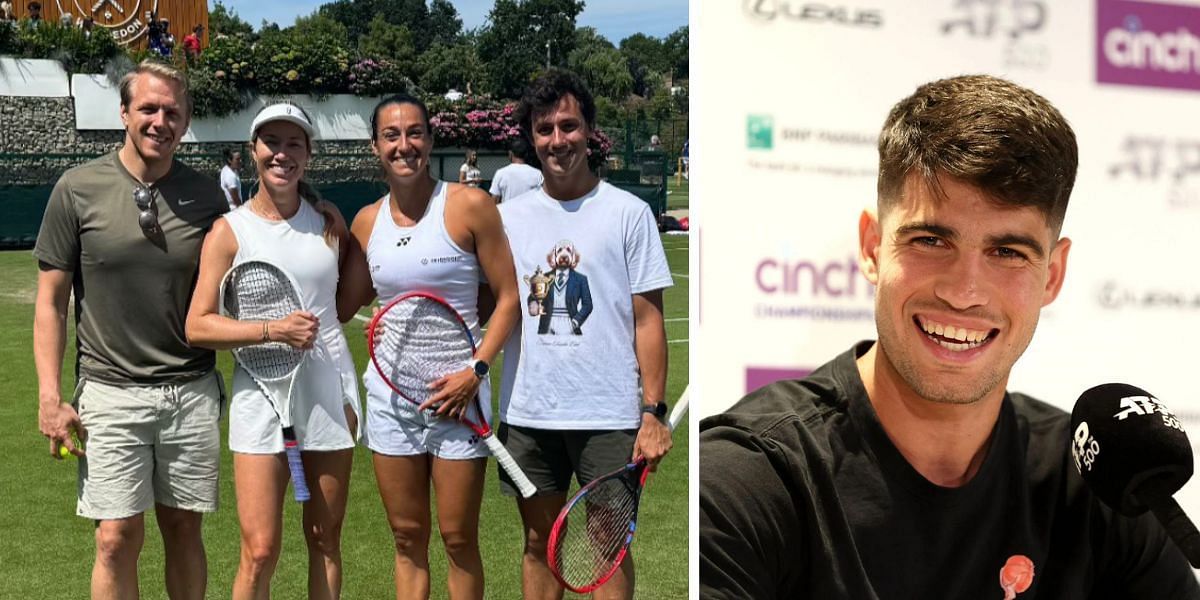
[282, 112]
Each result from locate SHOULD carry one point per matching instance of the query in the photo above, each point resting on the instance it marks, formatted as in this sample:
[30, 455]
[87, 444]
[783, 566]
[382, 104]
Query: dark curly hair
[545, 92]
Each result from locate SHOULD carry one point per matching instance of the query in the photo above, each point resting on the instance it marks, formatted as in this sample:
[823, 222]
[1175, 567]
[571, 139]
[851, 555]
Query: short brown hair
[991, 133]
[161, 70]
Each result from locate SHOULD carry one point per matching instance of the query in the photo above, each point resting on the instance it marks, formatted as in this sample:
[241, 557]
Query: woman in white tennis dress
[441, 238]
[286, 224]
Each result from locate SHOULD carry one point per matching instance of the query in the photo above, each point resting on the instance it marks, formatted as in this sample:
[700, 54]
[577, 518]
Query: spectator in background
[87, 24]
[6, 11]
[35, 14]
[191, 42]
[469, 173]
[686, 174]
[154, 34]
[655, 143]
[231, 184]
[66, 20]
[517, 177]
[168, 39]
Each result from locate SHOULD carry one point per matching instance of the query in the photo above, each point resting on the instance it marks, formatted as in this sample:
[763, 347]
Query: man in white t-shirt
[230, 183]
[579, 398]
[517, 177]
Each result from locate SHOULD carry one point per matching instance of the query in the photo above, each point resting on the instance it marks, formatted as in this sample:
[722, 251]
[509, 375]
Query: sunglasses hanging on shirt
[148, 216]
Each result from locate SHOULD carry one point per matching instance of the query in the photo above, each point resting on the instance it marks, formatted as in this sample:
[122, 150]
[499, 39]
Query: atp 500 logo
[1140, 406]
[1084, 448]
[1017, 22]
[1155, 159]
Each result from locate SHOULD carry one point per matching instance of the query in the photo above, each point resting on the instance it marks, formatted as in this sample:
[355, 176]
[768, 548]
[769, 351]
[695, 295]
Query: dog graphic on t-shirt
[560, 296]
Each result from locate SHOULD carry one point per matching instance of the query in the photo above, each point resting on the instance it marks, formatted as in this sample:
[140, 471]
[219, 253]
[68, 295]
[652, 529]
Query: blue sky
[614, 19]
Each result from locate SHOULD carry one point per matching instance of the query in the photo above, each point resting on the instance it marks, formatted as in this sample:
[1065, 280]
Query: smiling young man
[903, 468]
[585, 373]
[123, 234]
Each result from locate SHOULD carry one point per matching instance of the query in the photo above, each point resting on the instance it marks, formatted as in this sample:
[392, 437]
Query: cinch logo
[1146, 44]
[813, 12]
[833, 291]
[760, 131]
[835, 279]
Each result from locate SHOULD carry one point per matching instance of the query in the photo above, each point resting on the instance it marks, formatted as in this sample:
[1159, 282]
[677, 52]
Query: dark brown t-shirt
[132, 288]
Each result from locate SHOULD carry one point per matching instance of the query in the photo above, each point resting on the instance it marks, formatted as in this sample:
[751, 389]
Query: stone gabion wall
[38, 142]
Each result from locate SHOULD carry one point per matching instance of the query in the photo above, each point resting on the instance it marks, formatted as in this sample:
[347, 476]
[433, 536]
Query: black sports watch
[659, 410]
[481, 368]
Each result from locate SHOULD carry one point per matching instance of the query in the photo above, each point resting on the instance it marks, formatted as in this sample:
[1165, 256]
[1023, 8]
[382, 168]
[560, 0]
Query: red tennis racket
[417, 339]
[592, 533]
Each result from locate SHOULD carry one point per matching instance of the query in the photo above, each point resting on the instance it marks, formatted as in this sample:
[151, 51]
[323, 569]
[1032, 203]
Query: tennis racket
[592, 533]
[417, 339]
[257, 290]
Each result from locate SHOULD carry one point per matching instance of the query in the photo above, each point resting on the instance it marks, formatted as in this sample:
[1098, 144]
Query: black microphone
[1134, 455]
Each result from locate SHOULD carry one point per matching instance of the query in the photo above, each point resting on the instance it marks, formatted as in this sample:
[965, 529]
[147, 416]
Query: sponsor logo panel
[1148, 44]
[757, 377]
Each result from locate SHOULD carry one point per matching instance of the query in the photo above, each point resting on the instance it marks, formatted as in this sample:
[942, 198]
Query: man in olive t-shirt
[123, 233]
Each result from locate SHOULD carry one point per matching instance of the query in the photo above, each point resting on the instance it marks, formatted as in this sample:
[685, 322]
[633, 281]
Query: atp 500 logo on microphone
[1142, 406]
[1084, 448]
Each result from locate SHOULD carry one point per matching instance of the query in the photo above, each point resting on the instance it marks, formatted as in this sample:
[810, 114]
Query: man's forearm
[49, 341]
[650, 346]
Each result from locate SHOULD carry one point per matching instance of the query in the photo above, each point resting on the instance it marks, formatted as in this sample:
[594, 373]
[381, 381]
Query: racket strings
[595, 531]
[257, 291]
[417, 341]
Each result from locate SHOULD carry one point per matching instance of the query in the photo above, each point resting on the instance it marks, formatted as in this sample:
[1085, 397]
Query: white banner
[336, 117]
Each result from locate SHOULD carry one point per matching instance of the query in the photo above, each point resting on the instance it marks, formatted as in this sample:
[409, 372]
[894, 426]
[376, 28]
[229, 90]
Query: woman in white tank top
[287, 224]
[443, 238]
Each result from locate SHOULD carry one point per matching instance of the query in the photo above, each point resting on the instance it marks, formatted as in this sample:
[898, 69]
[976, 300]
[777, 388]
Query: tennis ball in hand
[66, 453]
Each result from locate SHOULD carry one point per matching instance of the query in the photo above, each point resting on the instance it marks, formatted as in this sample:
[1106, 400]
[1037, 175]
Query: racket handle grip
[509, 464]
[299, 484]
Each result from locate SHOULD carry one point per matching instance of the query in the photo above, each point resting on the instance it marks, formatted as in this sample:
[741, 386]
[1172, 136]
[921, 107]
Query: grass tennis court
[47, 550]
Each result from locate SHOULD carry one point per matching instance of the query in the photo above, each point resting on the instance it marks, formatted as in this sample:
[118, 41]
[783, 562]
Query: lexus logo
[812, 12]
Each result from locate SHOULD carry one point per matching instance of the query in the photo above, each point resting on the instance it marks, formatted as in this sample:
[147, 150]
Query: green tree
[520, 37]
[356, 16]
[647, 50]
[676, 47]
[444, 24]
[603, 69]
[387, 41]
[319, 25]
[225, 21]
[443, 67]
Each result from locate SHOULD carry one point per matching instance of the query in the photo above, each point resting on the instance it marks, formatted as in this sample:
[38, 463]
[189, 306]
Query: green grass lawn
[49, 550]
[677, 195]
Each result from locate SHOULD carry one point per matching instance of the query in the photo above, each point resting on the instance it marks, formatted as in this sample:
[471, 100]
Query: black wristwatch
[658, 410]
[481, 368]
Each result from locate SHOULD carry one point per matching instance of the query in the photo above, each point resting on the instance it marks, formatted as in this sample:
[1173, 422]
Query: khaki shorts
[149, 444]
